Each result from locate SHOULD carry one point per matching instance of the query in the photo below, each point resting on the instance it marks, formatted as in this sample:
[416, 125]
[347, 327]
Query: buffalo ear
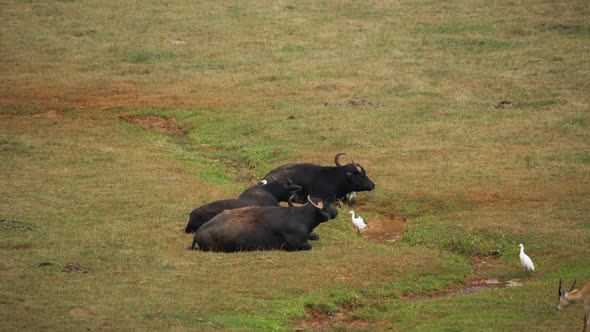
[353, 169]
[319, 205]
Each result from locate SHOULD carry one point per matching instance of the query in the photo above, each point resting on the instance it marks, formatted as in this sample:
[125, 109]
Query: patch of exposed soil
[316, 320]
[102, 95]
[74, 268]
[80, 313]
[21, 246]
[559, 26]
[156, 124]
[15, 226]
[504, 104]
[473, 42]
[54, 115]
[176, 42]
[355, 102]
[386, 229]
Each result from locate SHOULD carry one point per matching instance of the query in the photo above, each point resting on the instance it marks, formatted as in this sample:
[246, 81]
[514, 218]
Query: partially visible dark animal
[266, 193]
[330, 183]
[263, 228]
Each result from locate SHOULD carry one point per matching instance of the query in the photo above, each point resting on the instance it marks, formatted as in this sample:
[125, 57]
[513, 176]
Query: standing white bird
[358, 222]
[525, 260]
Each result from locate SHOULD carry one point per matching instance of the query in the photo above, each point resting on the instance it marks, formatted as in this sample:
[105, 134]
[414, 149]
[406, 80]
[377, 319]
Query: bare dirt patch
[504, 104]
[101, 95]
[320, 321]
[80, 313]
[21, 246]
[559, 26]
[355, 102]
[386, 229]
[15, 226]
[54, 115]
[156, 124]
[74, 268]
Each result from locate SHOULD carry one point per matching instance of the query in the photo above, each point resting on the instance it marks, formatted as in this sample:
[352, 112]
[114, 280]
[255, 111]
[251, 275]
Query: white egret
[358, 222]
[525, 260]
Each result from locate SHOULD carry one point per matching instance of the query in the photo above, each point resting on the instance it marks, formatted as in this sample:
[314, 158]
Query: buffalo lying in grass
[266, 193]
[329, 183]
[263, 228]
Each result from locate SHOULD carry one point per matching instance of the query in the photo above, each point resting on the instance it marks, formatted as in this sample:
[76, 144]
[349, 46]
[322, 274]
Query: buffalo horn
[320, 204]
[358, 167]
[337, 157]
[290, 201]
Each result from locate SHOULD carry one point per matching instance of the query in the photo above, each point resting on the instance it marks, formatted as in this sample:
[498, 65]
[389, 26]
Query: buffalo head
[327, 210]
[356, 176]
[282, 188]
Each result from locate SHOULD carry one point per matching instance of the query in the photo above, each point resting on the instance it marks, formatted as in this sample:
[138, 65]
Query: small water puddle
[471, 288]
[386, 229]
[482, 266]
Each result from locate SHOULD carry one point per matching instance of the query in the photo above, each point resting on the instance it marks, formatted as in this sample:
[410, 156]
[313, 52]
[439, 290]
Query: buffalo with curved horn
[330, 183]
[263, 228]
[267, 193]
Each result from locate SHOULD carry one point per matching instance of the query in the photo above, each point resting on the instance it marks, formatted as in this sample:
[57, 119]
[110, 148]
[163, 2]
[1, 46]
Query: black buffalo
[330, 183]
[266, 193]
[263, 228]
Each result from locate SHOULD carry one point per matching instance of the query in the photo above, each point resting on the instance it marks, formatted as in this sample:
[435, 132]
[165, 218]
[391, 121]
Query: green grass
[222, 92]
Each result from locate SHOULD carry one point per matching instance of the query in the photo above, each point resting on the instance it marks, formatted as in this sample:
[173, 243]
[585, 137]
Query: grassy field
[118, 118]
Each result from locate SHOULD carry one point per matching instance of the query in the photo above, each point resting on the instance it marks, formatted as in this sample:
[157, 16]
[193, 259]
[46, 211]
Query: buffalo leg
[297, 247]
[314, 236]
[304, 246]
